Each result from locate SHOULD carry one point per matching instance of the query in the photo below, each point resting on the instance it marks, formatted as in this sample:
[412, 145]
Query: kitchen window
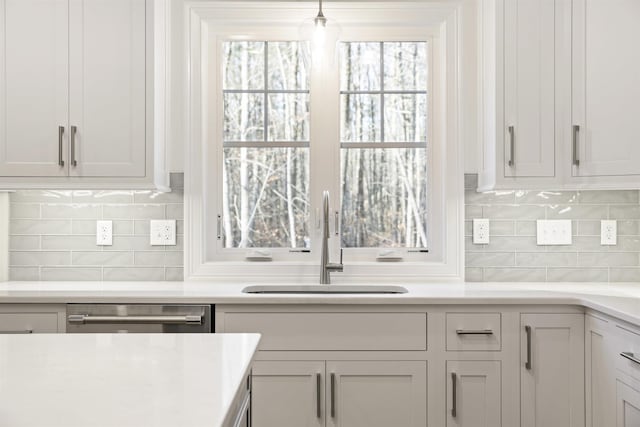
[278, 118]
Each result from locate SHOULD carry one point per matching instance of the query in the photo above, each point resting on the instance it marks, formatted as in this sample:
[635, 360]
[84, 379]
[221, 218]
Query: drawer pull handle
[60, 136]
[454, 380]
[512, 147]
[474, 332]
[630, 356]
[576, 159]
[85, 319]
[74, 162]
[528, 363]
[26, 331]
[318, 391]
[333, 395]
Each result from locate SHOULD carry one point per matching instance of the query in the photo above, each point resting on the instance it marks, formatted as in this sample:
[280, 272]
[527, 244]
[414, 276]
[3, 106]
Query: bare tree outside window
[266, 144]
[383, 144]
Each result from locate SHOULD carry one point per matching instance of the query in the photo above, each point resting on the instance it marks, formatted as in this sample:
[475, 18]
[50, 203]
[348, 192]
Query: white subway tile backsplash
[24, 273]
[39, 226]
[102, 258]
[71, 211]
[577, 274]
[38, 258]
[25, 210]
[610, 259]
[53, 235]
[514, 274]
[23, 243]
[71, 273]
[544, 259]
[134, 274]
[545, 197]
[515, 256]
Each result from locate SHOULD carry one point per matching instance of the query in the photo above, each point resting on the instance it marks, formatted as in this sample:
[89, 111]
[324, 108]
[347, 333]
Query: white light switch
[481, 231]
[104, 233]
[608, 232]
[162, 232]
[554, 232]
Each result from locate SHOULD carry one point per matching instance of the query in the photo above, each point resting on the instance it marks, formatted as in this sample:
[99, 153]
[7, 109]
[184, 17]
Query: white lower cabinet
[31, 318]
[552, 373]
[627, 405]
[376, 393]
[473, 393]
[599, 373]
[288, 393]
[339, 393]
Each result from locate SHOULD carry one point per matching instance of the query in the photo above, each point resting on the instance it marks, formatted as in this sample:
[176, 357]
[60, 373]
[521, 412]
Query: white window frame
[210, 22]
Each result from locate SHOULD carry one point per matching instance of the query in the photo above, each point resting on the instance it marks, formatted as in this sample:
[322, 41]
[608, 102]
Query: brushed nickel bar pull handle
[26, 331]
[576, 160]
[337, 224]
[166, 320]
[454, 406]
[318, 398]
[512, 146]
[474, 332]
[219, 234]
[74, 129]
[528, 363]
[333, 395]
[60, 136]
[630, 356]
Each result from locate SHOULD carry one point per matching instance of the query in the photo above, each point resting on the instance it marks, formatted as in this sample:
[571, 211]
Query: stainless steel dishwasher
[138, 318]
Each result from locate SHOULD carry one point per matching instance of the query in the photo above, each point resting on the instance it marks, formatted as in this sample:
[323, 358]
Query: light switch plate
[104, 233]
[608, 232]
[481, 231]
[554, 232]
[162, 232]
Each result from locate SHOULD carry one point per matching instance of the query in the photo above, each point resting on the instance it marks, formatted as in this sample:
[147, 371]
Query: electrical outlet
[481, 231]
[608, 232]
[104, 233]
[554, 232]
[162, 232]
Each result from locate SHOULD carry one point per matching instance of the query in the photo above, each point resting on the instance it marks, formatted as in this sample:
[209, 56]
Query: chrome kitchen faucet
[327, 267]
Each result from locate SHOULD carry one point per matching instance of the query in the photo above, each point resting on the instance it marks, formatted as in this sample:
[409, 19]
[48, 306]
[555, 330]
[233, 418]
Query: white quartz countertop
[50, 380]
[618, 300]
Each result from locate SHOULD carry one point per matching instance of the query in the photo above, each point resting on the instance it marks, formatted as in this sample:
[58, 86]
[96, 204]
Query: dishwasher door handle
[86, 319]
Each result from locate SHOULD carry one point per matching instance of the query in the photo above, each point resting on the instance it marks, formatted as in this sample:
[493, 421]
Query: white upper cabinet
[107, 87]
[77, 93]
[559, 90]
[529, 85]
[606, 66]
[33, 87]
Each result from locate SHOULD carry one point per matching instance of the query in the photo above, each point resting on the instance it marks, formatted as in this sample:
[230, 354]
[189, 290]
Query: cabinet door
[552, 374]
[606, 66]
[599, 374]
[529, 44]
[33, 87]
[376, 394]
[287, 394]
[107, 94]
[628, 406]
[473, 394]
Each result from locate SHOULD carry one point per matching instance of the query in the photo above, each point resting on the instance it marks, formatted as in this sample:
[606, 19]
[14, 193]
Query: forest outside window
[383, 91]
[265, 182]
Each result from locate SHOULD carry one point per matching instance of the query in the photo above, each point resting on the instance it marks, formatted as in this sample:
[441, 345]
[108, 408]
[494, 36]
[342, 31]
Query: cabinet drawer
[628, 353]
[473, 331]
[333, 331]
[24, 323]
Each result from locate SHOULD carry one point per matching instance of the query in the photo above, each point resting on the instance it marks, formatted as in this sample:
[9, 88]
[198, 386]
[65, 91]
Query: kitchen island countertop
[50, 380]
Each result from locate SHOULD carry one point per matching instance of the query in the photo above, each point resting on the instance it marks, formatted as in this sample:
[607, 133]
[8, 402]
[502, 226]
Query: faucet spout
[327, 267]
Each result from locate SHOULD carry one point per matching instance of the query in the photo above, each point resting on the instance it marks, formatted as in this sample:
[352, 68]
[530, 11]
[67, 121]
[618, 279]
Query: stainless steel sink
[324, 289]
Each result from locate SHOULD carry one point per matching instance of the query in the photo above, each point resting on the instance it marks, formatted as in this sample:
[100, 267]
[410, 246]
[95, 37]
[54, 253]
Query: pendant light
[320, 19]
